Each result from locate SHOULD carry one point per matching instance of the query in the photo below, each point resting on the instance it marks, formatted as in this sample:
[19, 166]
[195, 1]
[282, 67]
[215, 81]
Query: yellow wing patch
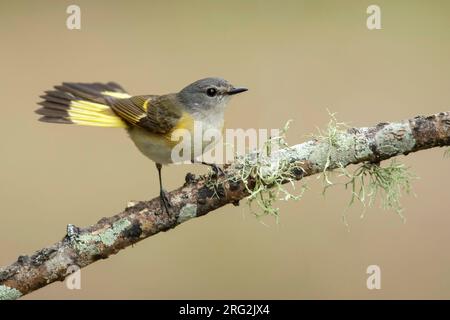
[145, 105]
[186, 122]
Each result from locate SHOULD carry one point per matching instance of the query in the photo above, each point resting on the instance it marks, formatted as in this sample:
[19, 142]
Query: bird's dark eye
[211, 92]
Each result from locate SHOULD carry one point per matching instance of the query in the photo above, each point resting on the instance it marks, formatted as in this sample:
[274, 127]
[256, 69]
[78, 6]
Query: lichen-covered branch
[83, 246]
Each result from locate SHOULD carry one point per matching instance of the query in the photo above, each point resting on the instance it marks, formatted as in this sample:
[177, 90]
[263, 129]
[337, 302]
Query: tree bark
[83, 246]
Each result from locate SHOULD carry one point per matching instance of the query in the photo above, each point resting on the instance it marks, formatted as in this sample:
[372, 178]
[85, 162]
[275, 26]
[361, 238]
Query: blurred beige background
[298, 58]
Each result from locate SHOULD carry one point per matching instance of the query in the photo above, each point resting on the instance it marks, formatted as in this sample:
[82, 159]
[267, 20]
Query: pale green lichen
[361, 147]
[337, 148]
[110, 235]
[188, 212]
[212, 183]
[368, 180]
[395, 138]
[90, 244]
[7, 293]
[334, 148]
[86, 244]
[267, 172]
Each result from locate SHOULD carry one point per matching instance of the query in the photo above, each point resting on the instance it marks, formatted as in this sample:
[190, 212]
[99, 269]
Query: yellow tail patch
[87, 113]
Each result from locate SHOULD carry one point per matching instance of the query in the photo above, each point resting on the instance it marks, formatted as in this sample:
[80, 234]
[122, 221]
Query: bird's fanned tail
[82, 104]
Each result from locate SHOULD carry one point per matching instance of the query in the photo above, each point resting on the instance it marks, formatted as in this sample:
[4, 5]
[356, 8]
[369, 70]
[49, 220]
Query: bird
[149, 119]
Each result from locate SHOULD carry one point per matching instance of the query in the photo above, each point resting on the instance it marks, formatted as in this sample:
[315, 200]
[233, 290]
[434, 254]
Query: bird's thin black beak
[236, 91]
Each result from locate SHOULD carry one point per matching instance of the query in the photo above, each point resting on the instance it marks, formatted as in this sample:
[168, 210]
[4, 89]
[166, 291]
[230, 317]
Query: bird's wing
[157, 114]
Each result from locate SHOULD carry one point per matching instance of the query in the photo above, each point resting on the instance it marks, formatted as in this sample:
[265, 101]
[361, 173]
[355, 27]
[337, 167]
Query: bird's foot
[165, 202]
[218, 171]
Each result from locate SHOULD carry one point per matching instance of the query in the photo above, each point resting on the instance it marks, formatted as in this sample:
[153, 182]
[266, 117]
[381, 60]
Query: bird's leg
[217, 170]
[162, 193]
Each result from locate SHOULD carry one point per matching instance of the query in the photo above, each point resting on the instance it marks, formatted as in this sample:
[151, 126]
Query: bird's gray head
[208, 94]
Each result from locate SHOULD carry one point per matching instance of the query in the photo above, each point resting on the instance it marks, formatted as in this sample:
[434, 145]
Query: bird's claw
[165, 202]
[218, 171]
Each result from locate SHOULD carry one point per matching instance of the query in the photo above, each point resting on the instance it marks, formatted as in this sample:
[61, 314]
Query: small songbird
[149, 119]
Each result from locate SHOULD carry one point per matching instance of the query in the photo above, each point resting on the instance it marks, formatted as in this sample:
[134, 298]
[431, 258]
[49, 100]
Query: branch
[140, 220]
